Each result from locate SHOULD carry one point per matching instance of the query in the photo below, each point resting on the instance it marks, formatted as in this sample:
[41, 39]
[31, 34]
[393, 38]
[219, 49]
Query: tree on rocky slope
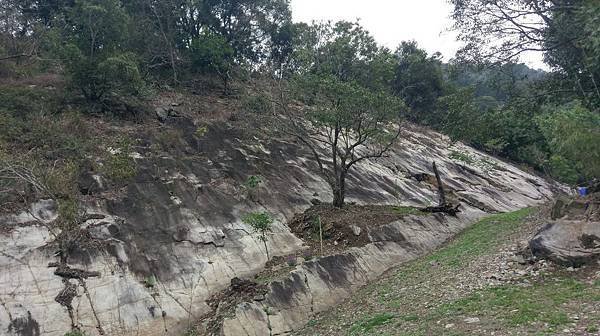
[342, 123]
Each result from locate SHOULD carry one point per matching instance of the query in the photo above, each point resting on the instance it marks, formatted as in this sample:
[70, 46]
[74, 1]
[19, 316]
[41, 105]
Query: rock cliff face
[147, 259]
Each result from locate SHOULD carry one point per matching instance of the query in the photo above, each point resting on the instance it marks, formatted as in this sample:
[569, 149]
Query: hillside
[151, 247]
[233, 168]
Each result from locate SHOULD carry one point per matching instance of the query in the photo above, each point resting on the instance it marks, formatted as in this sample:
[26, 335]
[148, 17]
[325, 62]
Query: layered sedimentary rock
[150, 256]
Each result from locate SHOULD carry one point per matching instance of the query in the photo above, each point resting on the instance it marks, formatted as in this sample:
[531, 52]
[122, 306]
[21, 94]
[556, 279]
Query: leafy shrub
[96, 63]
[258, 104]
[253, 182]
[25, 100]
[261, 222]
[212, 54]
[573, 135]
[68, 215]
[201, 131]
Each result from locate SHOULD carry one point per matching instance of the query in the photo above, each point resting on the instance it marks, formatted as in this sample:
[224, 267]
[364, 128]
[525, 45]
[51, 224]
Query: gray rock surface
[175, 237]
[568, 242]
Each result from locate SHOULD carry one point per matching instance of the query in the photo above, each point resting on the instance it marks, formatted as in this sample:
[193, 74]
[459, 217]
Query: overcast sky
[392, 21]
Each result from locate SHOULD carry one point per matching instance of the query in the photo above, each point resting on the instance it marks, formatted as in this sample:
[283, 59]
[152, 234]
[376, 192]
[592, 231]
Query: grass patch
[592, 329]
[411, 301]
[406, 210]
[461, 156]
[545, 302]
[480, 238]
[368, 324]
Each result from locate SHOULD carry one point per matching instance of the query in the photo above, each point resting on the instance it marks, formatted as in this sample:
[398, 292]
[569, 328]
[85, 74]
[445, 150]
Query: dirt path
[476, 285]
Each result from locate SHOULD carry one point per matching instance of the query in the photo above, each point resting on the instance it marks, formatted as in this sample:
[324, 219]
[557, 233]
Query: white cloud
[392, 21]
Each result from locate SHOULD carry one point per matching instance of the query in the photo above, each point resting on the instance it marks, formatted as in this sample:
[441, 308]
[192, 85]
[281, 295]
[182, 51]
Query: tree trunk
[339, 190]
[264, 239]
[441, 193]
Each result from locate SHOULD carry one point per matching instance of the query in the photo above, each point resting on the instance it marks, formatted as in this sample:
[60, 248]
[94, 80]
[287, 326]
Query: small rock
[518, 259]
[570, 269]
[356, 230]
[471, 320]
[161, 113]
[449, 325]
[259, 297]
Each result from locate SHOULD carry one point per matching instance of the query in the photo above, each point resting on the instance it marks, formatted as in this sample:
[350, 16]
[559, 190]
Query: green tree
[564, 30]
[573, 133]
[210, 53]
[344, 50]
[418, 80]
[261, 223]
[97, 63]
[247, 25]
[350, 122]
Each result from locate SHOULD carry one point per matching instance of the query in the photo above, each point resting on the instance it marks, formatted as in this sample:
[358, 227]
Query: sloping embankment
[146, 259]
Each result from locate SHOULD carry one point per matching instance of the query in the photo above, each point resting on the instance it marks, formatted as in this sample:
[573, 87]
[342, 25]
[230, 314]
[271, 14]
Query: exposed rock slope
[157, 252]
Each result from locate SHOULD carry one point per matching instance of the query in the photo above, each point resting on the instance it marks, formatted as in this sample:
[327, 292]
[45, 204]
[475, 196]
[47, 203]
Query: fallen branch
[443, 206]
[450, 209]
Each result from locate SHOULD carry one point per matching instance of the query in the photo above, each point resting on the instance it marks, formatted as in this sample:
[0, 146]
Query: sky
[392, 21]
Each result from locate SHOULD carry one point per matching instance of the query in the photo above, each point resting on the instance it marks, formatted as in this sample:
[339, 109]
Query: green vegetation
[75, 333]
[260, 222]
[201, 131]
[479, 239]
[253, 182]
[406, 210]
[104, 57]
[461, 156]
[432, 296]
[516, 305]
[150, 281]
[258, 104]
[118, 165]
[573, 133]
[251, 187]
[339, 108]
[211, 53]
[368, 324]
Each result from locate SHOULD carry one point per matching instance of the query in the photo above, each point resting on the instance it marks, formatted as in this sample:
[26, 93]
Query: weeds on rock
[261, 222]
[251, 187]
[75, 333]
[118, 164]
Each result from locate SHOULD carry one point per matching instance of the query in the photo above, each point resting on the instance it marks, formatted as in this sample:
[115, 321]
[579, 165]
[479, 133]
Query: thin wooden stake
[320, 234]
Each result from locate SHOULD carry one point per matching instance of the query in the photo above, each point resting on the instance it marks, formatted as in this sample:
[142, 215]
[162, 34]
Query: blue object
[583, 191]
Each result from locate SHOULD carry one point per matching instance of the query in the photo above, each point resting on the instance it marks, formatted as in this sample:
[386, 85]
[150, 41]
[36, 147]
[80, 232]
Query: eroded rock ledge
[174, 237]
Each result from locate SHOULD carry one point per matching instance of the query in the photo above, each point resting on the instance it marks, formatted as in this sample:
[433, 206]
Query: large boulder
[572, 243]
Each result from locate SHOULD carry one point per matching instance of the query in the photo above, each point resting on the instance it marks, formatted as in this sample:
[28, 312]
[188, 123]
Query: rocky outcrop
[318, 285]
[572, 238]
[174, 236]
[571, 243]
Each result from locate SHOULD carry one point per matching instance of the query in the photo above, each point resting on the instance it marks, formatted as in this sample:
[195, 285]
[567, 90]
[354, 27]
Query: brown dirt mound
[225, 302]
[339, 226]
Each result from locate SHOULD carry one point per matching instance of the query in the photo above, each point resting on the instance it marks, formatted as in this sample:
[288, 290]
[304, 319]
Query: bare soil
[336, 225]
